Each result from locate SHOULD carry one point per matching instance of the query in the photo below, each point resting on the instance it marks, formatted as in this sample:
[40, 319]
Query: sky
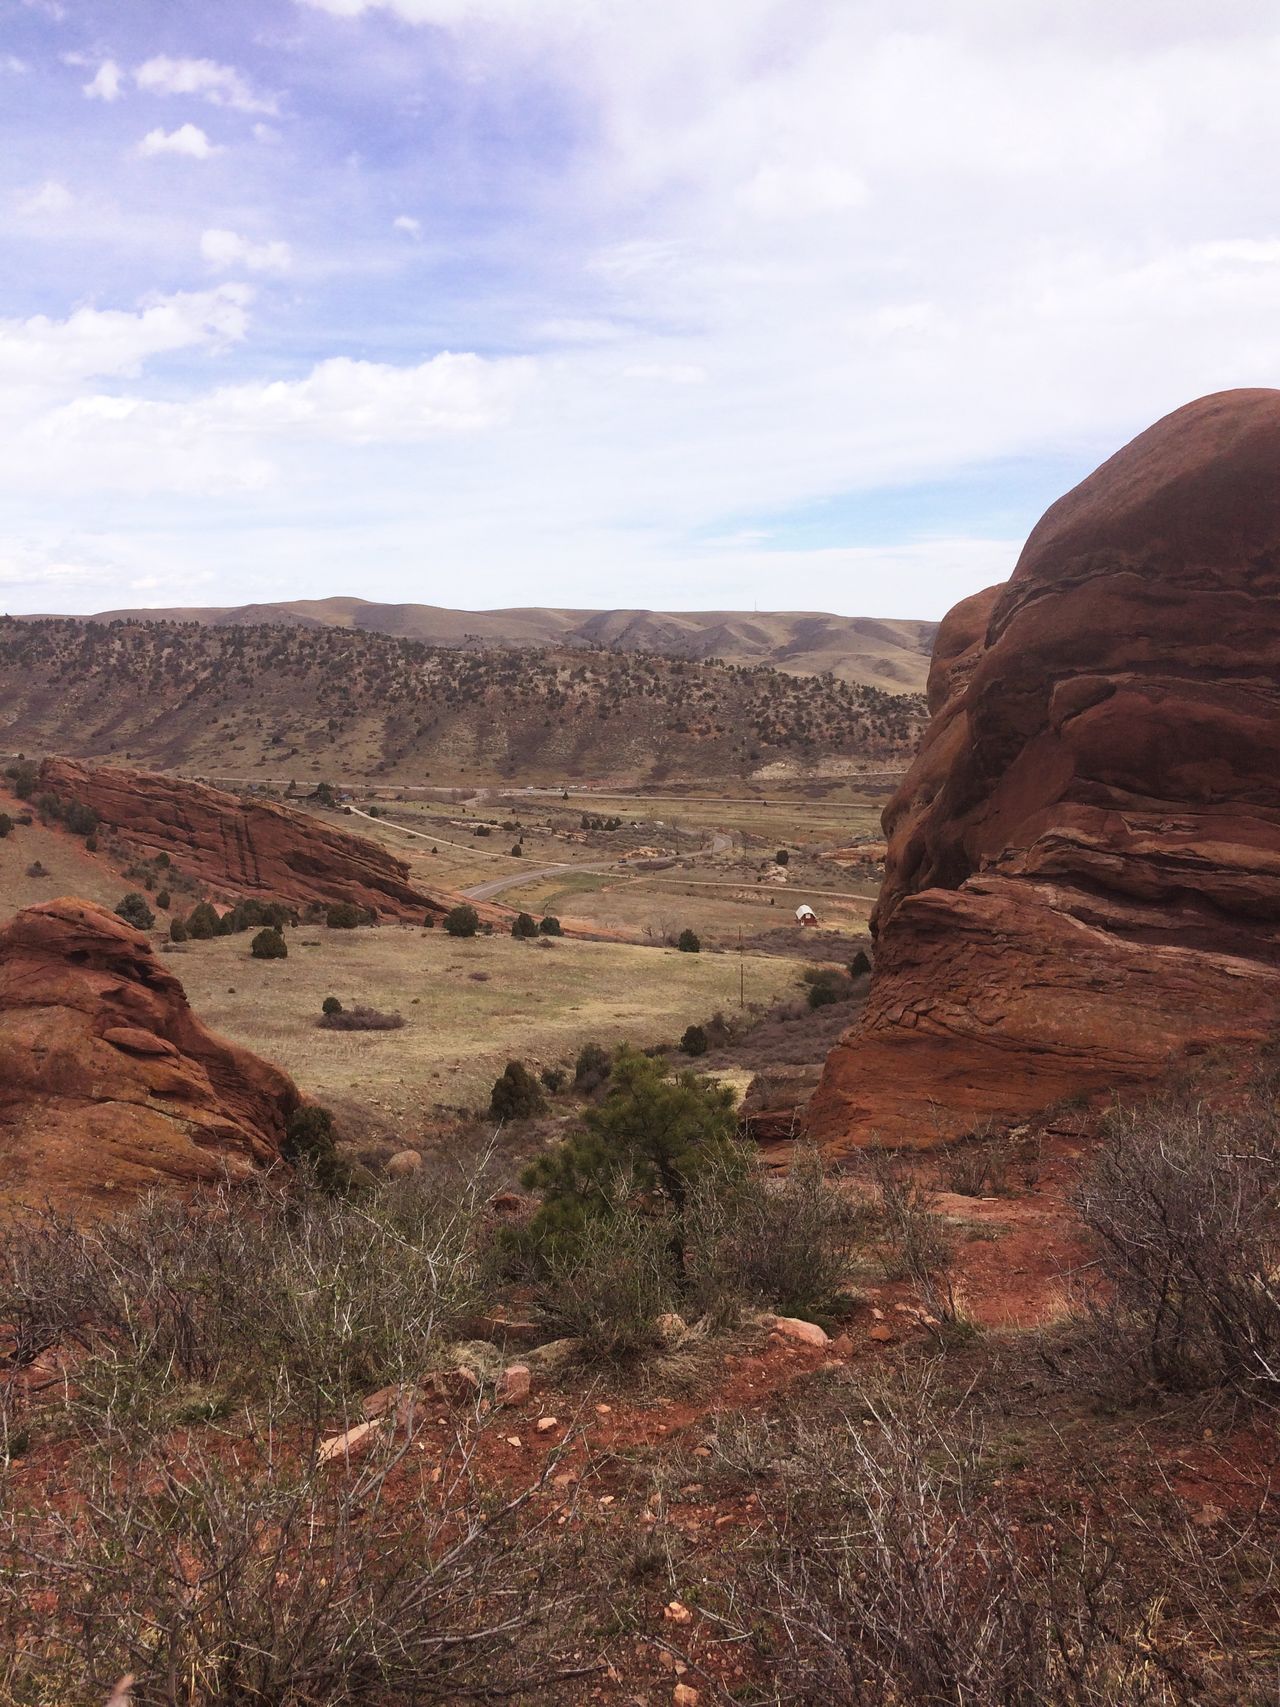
[688, 304]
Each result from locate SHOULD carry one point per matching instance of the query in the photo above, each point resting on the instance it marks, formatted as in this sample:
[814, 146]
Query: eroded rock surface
[247, 847]
[109, 1083]
[1083, 877]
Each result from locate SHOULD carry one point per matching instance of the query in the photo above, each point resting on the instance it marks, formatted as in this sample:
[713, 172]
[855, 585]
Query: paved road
[496, 885]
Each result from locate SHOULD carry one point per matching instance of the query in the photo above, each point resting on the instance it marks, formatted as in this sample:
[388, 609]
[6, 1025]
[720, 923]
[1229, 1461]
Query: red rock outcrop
[247, 847]
[109, 1084]
[1083, 878]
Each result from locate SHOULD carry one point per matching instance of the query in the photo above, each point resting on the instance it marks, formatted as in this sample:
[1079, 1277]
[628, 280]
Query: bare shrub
[898, 1571]
[608, 1286]
[359, 1018]
[916, 1244]
[293, 1293]
[1183, 1202]
[977, 1165]
[785, 1244]
[271, 1580]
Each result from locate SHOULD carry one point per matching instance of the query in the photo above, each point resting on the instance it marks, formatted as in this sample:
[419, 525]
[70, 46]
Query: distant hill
[882, 653]
[308, 701]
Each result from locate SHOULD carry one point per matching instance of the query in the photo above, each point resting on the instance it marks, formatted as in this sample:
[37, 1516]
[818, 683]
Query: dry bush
[978, 1164]
[360, 1019]
[609, 1284]
[1183, 1202]
[287, 1292]
[896, 1571]
[785, 1244]
[262, 1578]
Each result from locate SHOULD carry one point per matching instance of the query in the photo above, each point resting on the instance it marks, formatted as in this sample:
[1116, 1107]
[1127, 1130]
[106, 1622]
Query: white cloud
[228, 249]
[51, 197]
[346, 401]
[666, 373]
[408, 224]
[105, 83]
[12, 65]
[41, 358]
[188, 140]
[253, 438]
[220, 85]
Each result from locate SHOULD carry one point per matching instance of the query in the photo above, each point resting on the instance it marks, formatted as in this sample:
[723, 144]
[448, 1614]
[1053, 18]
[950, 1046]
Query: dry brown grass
[536, 1005]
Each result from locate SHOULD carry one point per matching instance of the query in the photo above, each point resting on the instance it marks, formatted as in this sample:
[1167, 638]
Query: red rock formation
[1084, 862]
[247, 847]
[109, 1084]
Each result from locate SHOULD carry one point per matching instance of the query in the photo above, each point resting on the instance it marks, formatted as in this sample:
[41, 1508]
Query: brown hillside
[326, 702]
[880, 652]
[1084, 863]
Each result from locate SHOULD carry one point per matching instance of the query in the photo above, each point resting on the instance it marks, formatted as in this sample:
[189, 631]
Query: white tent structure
[805, 914]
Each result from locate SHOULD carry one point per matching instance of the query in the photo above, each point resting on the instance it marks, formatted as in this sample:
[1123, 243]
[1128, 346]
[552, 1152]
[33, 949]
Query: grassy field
[715, 893]
[470, 1006]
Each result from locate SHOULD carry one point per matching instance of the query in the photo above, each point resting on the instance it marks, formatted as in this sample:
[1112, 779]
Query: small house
[805, 914]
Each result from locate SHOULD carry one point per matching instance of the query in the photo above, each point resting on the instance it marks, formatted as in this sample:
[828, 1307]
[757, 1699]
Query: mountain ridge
[883, 652]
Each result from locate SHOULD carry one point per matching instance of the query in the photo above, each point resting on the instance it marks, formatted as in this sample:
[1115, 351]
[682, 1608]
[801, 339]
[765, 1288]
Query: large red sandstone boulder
[1083, 879]
[248, 847]
[109, 1084]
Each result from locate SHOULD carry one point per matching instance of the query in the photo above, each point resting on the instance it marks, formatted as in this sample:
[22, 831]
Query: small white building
[805, 914]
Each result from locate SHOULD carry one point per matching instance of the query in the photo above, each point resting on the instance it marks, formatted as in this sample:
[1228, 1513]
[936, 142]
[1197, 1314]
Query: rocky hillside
[1083, 878]
[109, 1084]
[251, 847]
[880, 652]
[283, 701]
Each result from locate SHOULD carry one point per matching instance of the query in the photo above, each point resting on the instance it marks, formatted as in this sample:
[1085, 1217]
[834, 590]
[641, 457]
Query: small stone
[545, 1423]
[881, 1333]
[603, 1410]
[404, 1163]
[343, 1445]
[513, 1384]
[671, 1326]
[684, 1695]
[806, 1333]
[513, 1440]
[842, 1345]
[676, 1612]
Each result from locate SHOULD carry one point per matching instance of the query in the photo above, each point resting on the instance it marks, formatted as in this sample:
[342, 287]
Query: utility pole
[742, 972]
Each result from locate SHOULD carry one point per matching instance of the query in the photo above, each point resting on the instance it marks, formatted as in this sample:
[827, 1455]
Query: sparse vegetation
[462, 921]
[330, 1006]
[269, 944]
[133, 909]
[516, 1094]
[689, 942]
[357, 1018]
[264, 685]
[549, 925]
[524, 925]
[592, 1068]
[1183, 1202]
[653, 1134]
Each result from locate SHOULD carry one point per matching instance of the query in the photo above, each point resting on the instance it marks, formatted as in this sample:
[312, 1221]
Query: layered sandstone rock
[109, 1084]
[246, 847]
[1083, 879]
